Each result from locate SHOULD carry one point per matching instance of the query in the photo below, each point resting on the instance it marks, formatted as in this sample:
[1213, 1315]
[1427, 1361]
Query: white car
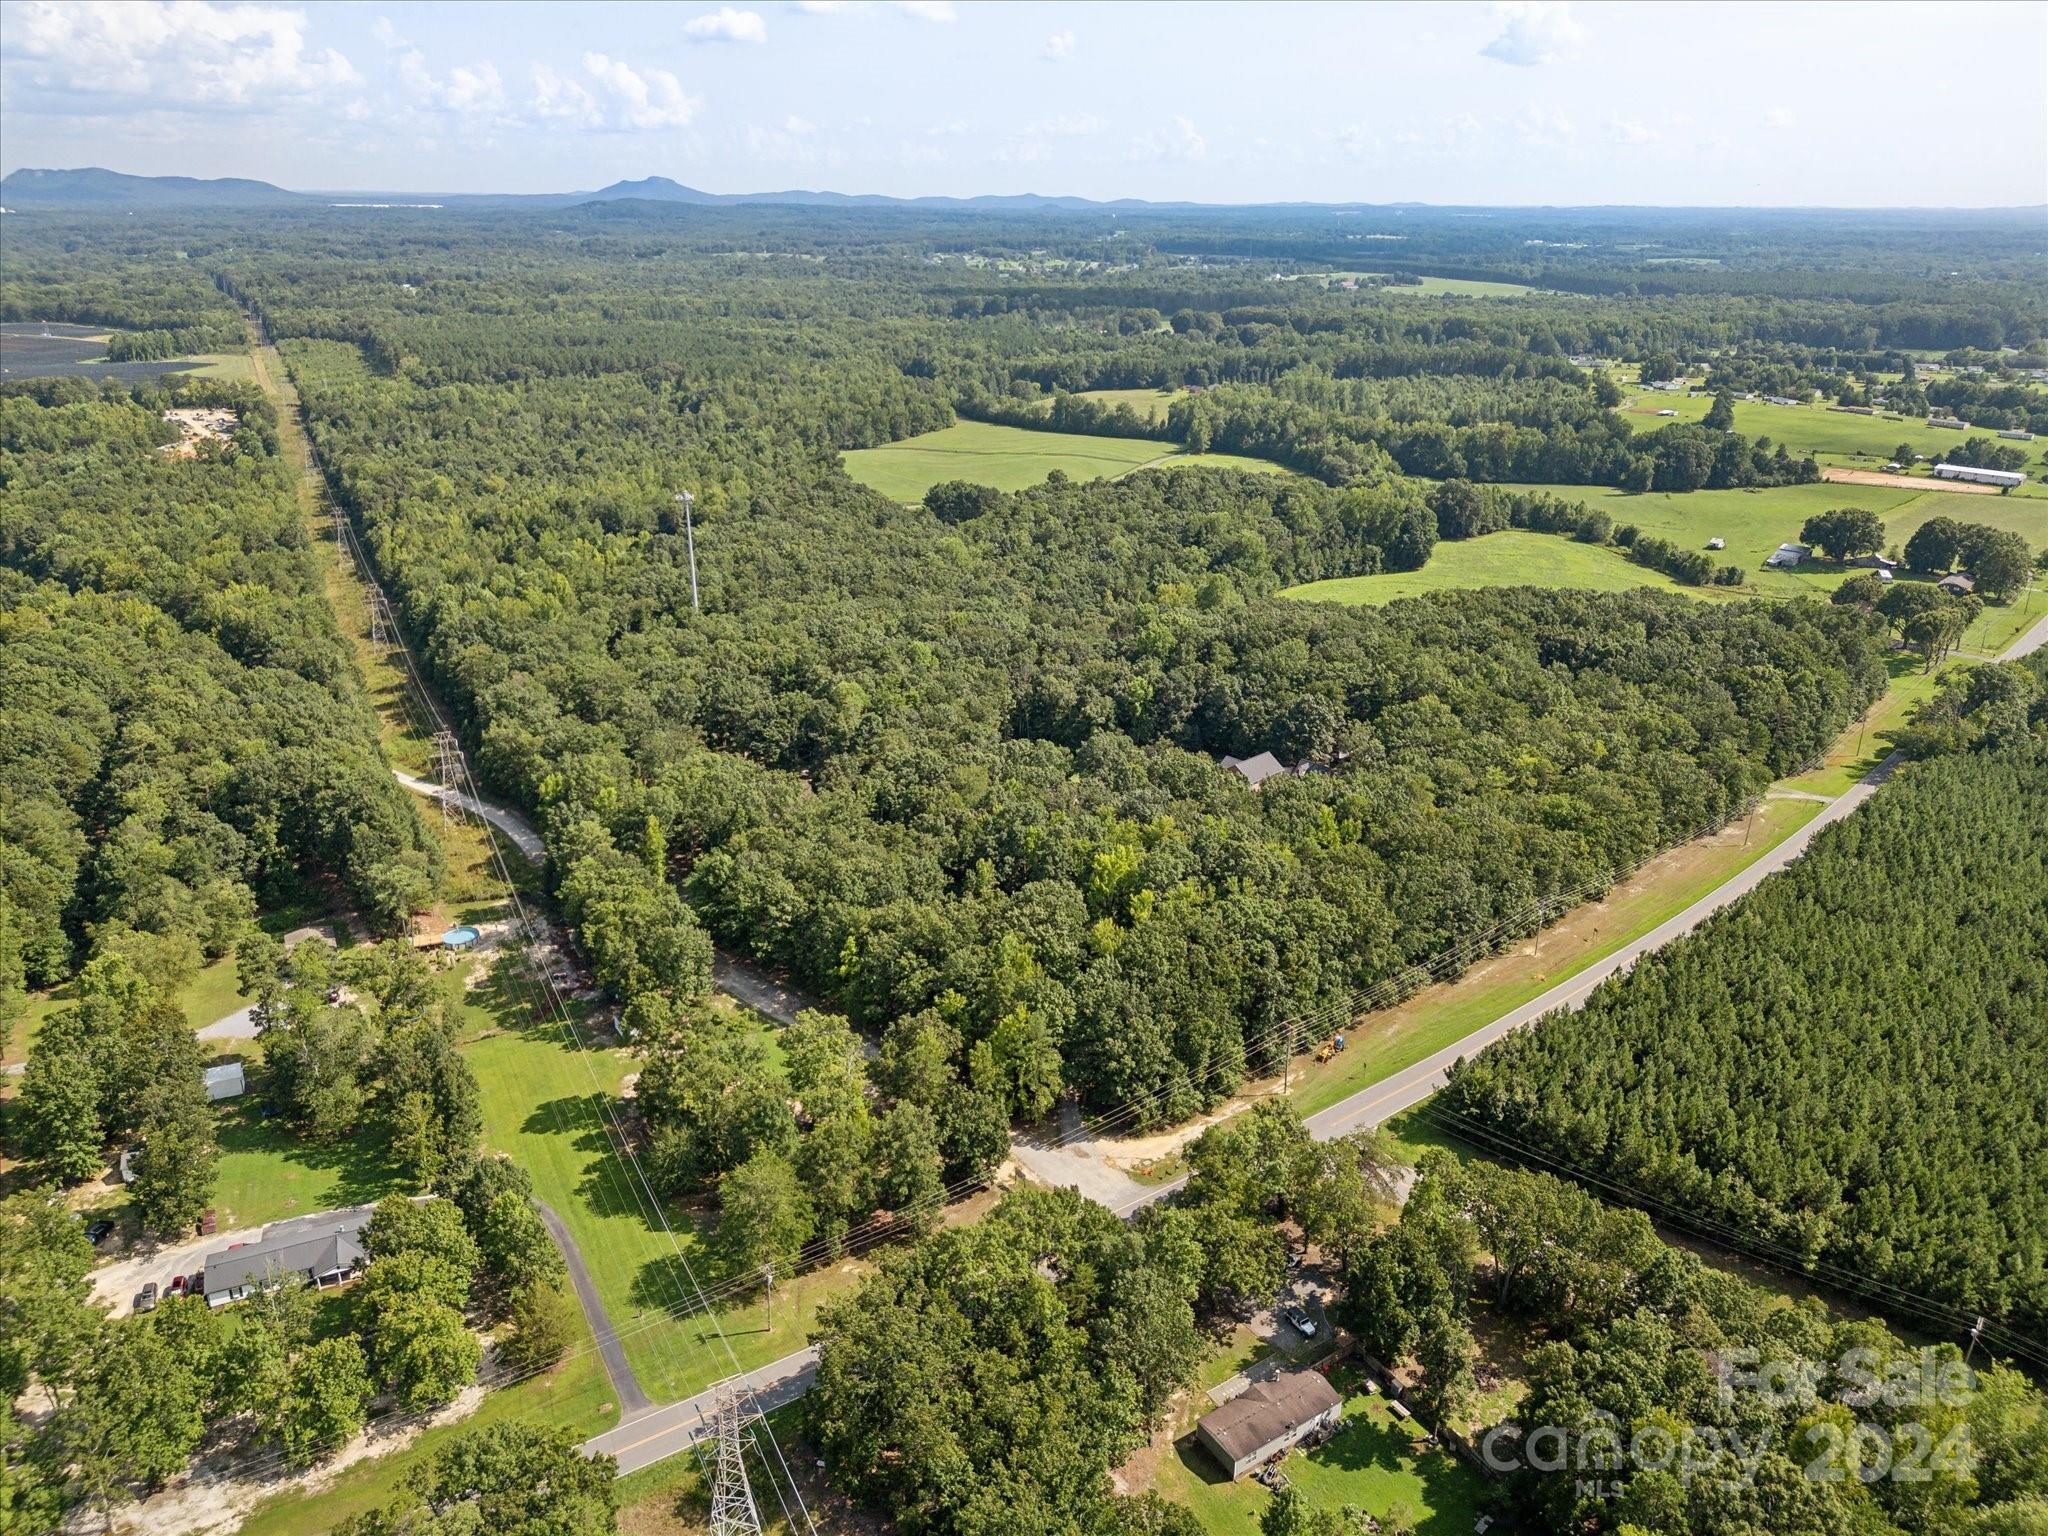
[1302, 1323]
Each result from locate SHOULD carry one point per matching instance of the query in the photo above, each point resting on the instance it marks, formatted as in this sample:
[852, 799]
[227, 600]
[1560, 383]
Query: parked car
[176, 1287]
[206, 1224]
[98, 1231]
[145, 1299]
[1303, 1323]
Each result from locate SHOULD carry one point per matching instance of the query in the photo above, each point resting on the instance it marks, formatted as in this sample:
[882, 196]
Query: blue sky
[1512, 103]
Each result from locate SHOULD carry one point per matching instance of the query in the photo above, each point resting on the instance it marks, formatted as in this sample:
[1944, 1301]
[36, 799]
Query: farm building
[1267, 1418]
[1779, 400]
[1953, 423]
[226, 1081]
[1969, 472]
[1788, 555]
[1872, 563]
[2017, 435]
[1959, 583]
[1717, 543]
[1256, 770]
[325, 1249]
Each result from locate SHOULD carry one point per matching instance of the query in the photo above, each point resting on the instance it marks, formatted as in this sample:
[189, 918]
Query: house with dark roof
[325, 1250]
[1957, 583]
[1268, 1418]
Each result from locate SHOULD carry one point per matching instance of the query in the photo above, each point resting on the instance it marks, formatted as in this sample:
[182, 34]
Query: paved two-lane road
[1404, 1090]
[645, 1438]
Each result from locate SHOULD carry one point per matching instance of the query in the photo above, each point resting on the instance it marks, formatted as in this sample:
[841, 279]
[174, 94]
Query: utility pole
[732, 1500]
[690, 542]
[768, 1276]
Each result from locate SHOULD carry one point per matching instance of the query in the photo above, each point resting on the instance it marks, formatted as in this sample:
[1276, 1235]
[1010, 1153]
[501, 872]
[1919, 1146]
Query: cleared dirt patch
[1904, 482]
[199, 424]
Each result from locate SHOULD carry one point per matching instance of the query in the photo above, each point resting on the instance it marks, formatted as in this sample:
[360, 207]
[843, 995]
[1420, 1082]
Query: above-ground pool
[460, 938]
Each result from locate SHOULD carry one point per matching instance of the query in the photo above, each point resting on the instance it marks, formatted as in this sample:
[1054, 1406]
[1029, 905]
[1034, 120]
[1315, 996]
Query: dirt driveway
[1904, 482]
[117, 1283]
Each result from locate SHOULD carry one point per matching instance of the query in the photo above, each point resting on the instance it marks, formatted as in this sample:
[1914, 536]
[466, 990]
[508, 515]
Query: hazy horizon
[1516, 104]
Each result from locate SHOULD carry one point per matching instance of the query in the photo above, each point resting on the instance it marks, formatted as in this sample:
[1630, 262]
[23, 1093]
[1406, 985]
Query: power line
[638, 1182]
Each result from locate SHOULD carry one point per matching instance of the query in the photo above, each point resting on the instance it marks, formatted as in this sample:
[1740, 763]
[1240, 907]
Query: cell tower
[732, 1500]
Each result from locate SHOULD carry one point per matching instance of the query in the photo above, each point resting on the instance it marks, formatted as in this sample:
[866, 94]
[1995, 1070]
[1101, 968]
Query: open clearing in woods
[1012, 458]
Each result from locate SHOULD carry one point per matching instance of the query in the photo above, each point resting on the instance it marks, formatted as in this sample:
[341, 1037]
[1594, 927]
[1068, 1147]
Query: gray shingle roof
[1268, 1411]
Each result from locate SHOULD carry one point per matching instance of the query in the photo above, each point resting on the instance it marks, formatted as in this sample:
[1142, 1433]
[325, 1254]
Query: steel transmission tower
[732, 1500]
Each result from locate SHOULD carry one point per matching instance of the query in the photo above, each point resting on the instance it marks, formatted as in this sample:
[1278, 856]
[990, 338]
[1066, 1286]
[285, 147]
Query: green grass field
[1012, 458]
[1832, 437]
[1435, 287]
[211, 994]
[1753, 523]
[1150, 404]
[1374, 1461]
[1510, 558]
[235, 367]
[539, 1108]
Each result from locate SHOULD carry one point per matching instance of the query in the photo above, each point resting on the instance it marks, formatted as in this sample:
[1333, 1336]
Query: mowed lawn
[1511, 558]
[1012, 458]
[1374, 1461]
[541, 1104]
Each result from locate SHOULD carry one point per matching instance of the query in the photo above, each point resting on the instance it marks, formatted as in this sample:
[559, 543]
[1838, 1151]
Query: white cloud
[192, 53]
[1624, 130]
[798, 127]
[1184, 142]
[652, 98]
[1060, 45]
[927, 10]
[1533, 32]
[726, 25]
[1544, 127]
[558, 98]
[473, 90]
[1780, 117]
[387, 34]
[1452, 134]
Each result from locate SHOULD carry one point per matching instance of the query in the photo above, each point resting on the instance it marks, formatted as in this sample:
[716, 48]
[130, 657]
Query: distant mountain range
[95, 188]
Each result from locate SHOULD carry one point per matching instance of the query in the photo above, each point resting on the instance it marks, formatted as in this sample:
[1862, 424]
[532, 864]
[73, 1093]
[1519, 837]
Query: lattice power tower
[732, 1500]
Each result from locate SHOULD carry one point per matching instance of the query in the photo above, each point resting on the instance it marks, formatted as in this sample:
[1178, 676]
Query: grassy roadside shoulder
[1383, 1043]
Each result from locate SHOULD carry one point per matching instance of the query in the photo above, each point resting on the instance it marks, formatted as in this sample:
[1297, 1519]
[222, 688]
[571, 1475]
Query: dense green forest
[1850, 1063]
[925, 760]
[1665, 1396]
[953, 768]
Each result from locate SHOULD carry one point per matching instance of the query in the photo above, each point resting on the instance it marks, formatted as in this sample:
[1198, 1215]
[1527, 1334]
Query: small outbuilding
[1788, 555]
[1268, 1418]
[1872, 563]
[1957, 583]
[226, 1082]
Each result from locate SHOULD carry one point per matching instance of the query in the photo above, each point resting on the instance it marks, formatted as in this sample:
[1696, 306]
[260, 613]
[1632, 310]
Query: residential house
[1269, 1418]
